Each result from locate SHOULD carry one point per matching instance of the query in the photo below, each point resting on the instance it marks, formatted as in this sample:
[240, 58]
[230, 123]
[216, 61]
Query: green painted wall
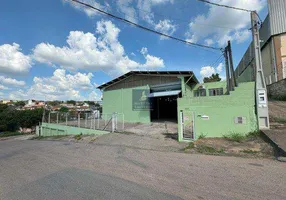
[247, 75]
[56, 129]
[120, 101]
[221, 110]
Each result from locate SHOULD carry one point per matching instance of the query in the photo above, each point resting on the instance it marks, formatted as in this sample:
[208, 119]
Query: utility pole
[260, 86]
[233, 80]
[227, 71]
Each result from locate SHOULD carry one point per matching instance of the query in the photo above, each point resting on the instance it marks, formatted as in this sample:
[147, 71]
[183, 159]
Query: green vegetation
[212, 78]
[11, 120]
[8, 134]
[78, 137]
[209, 150]
[202, 136]
[190, 146]
[253, 134]
[64, 109]
[249, 151]
[236, 137]
[281, 120]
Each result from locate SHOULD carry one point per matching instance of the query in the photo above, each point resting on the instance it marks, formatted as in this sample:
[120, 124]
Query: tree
[71, 102]
[64, 109]
[212, 78]
[20, 103]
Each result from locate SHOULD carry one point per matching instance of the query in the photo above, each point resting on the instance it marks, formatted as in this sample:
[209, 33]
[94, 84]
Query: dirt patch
[249, 147]
[69, 138]
[277, 113]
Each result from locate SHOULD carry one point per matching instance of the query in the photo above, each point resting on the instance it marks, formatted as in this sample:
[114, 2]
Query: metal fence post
[78, 120]
[57, 117]
[113, 122]
[66, 119]
[49, 117]
[85, 122]
[116, 115]
[98, 121]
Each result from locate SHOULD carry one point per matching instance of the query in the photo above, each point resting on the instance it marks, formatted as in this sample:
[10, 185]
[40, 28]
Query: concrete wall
[121, 101]
[56, 129]
[277, 90]
[221, 110]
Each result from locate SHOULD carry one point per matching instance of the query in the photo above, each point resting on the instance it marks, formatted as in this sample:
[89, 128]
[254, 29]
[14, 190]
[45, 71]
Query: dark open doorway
[164, 108]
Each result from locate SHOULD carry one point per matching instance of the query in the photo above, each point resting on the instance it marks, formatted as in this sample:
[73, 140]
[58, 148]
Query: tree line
[11, 119]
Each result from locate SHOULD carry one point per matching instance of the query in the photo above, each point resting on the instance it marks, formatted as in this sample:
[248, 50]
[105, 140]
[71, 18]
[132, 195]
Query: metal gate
[187, 120]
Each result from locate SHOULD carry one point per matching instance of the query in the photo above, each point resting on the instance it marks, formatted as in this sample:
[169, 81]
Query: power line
[145, 28]
[174, 19]
[231, 7]
[226, 6]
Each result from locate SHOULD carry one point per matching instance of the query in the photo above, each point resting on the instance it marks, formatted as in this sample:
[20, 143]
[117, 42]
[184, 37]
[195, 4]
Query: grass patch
[48, 137]
[38, 138]
[281, 120]
[209, 150]
[190, 146]
[78, 137]
[8, 134]
[202, 136]
[254, 134]
[236, 137]
[249, 151]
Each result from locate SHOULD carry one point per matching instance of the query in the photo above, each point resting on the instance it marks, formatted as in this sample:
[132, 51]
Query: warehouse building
[273, 48]
[177, 96]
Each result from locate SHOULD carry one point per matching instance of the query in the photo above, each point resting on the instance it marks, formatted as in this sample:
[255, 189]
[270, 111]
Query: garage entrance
[164, 102]
[164, 109]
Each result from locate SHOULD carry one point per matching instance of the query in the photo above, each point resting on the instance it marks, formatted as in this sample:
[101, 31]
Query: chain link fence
[113, 122]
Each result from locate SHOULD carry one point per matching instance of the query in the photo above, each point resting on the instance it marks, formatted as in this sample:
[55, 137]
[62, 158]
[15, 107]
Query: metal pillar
[260, 86]
[113, 122]
[66, 119]
[78, 120]
[49, 120]
[57, 117]
[233, 79]
[227, 71]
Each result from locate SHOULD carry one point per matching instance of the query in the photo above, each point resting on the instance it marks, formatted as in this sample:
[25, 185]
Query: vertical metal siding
[277, 15]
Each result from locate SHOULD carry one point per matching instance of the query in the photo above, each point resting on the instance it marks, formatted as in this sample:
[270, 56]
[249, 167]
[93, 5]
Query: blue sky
[57, 50]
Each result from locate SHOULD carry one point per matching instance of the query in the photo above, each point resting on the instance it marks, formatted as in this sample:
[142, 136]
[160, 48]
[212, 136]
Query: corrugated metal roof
[165, 93]
[167, 73]
[277, 14]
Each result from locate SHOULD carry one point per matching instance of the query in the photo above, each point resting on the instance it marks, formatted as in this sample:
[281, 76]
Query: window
[215, 91]
[200, 93]
[240, 120]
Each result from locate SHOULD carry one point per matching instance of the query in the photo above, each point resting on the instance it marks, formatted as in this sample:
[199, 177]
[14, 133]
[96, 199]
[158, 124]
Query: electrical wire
[173, 19]
[231, 7]
[145, 28]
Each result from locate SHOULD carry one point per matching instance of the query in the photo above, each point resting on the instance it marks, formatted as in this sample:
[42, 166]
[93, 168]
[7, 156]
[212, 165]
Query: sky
[58, 50]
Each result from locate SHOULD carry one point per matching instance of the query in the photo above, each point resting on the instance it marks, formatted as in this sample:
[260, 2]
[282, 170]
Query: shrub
[237, 137]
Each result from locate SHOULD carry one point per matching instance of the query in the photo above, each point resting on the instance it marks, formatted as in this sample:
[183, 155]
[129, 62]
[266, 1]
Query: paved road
[61, 170]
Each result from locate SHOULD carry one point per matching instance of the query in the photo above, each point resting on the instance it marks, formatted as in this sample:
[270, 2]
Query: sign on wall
[141, 100]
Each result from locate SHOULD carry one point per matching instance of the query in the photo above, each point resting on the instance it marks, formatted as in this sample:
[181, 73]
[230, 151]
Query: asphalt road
[61, 170]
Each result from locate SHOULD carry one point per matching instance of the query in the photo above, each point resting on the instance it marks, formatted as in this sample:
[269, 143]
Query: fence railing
[91, 120]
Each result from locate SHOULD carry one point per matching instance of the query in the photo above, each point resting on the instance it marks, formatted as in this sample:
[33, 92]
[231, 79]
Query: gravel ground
[113, 169]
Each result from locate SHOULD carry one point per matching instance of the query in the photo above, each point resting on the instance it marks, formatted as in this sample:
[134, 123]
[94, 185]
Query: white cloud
[207, 71]
[219, 68]
[2, 87]
[11, 82]
[60, 86]
[12, 60]
[238, 21]
[166, 27]
[93, 96]
[88, 52]
[88, 11]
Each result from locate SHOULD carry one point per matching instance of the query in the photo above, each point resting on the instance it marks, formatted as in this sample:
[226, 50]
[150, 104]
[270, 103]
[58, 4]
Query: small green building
[199, 109]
